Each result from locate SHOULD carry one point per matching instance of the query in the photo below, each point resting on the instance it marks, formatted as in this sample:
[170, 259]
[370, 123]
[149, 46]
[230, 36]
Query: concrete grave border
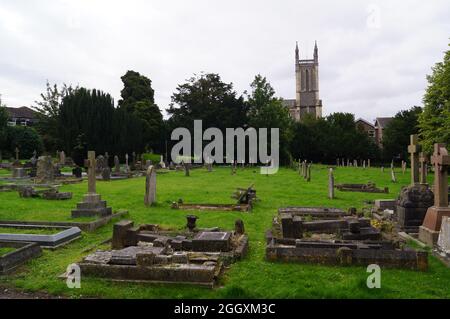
[61, 238]
[24, 252]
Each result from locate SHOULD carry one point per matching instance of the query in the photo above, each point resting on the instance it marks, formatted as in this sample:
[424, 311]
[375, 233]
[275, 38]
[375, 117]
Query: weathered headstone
[62, 158]
[186, 169]
[429, 231]
[414, 149]
[116, 164]
[150, 186]
[364, 164]
[100, 164]
[45, 172]
[330, 184]
[368, 163]
[308, 173]
[106, 174]
[423, 168]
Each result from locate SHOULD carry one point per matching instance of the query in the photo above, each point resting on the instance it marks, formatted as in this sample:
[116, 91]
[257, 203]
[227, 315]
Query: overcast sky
[373, 55]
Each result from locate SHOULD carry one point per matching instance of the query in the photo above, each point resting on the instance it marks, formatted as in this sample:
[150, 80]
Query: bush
[25, 138]
[155, 158]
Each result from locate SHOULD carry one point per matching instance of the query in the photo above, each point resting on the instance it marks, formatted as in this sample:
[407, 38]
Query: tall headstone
[92, 204]
[429, 231]
[150, 186]
[413, 150]
[364, 164]
[330, 184]
[423, 160]
[62, 158]
[368, 163]
[106, 173]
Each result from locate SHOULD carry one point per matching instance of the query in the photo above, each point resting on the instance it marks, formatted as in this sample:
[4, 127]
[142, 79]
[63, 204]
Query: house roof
[22, 112]
[365, 122]
[382, 122]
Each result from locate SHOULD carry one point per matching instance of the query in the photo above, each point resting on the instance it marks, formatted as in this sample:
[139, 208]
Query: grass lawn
[37, 231]
[253, 277]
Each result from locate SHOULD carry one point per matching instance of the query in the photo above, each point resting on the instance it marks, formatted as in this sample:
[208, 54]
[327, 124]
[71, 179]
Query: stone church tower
[307, 99]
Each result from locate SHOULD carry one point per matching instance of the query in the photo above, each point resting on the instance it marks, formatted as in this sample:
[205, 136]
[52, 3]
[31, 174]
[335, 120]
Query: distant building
[21, 116]
[380, 125]
[367, 127]
[307, 99]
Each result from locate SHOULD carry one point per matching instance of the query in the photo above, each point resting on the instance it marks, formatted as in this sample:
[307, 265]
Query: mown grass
[251, 278]
[30, 231]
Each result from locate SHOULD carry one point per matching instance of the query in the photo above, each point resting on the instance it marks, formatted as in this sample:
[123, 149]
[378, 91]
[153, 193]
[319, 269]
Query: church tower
[307, 100]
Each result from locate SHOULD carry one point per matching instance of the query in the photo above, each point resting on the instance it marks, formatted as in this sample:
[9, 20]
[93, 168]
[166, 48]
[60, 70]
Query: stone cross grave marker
[91, 164]
[150, 186]
[423, 168]
[330, 184]
[414, 149]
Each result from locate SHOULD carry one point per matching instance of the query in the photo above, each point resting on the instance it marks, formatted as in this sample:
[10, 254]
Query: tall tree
[206, 97]
[434, 122]
[267, 111]
[138, 100]
[48, 112]
[396, 135]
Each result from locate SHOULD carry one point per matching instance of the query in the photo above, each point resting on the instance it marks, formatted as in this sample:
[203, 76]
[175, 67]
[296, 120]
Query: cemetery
[314, 231]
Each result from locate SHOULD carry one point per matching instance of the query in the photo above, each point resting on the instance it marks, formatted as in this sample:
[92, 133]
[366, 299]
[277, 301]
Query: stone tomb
[92, 204]
[429, 231]
[345, 242]
[366, 188]
[149, 253]
[20, 253]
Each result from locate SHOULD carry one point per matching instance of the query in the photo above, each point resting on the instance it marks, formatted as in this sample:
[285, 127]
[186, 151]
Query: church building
[307, 100]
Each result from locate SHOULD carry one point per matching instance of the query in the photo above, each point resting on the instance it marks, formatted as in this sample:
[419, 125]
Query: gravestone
[308, 173]
[412, 206]
[239, 228]
[100, 164]
[304, 169]
[62, 158]
[186, 168]
[330, 184]
[127, 167]
[413, 150]
[150, 186]
[423, 168]
[443, 243]
[92, 204]
[116, 164]
[393, 177]
[368, 163]
[161, 162]
[364, 164]
[403, 167]
[382, 169]
[45, 172]
[429, 231]
[106, 174]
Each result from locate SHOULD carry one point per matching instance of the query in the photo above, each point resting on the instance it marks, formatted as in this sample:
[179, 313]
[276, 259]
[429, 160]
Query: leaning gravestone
[429, 231]
[45, 171]
[150, 186]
